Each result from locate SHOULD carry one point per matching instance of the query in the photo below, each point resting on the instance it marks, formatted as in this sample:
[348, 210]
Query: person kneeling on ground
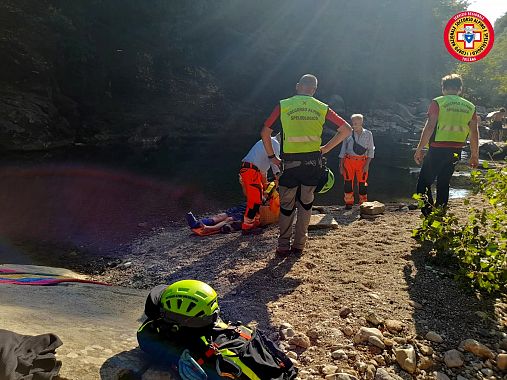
[184, 331]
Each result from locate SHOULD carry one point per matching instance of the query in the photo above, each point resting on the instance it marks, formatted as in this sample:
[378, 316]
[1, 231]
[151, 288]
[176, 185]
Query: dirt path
[366, 268]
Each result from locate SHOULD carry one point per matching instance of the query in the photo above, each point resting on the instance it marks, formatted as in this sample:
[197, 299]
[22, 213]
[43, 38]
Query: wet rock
[434, 337]
[300, 340]
[372, 208]
[454, 359]
[406, 358]
[502, 362]
[477, 348]
[364, 333]
[373, 319]
[375, 341]
[394, 326]
[345, 311]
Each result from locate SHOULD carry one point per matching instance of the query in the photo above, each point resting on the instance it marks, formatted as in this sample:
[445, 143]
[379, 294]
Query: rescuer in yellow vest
[302, 120]
[451, 119]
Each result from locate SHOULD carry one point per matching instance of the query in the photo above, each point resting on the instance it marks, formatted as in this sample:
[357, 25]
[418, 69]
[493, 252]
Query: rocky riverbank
[363, 301]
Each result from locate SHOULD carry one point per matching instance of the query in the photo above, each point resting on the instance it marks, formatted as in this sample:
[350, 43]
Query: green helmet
[190, 303]
[326, 181]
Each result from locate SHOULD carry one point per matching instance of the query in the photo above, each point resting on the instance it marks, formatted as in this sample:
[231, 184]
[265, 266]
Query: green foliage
[477, 247]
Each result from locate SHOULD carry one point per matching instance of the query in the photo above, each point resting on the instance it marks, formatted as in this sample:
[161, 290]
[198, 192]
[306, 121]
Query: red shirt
[330, 116]
[433, 110]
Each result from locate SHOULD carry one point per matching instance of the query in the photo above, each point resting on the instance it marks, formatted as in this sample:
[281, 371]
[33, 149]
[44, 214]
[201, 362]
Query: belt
[249, 165]
[359, 158]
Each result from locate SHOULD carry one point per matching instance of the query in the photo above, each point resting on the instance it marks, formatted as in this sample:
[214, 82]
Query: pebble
[406, 358]
[313, 334]
[415, 305]
[503, 344]
[477, 348]
[487, 372]
[425, 350]
[370, 372]
[380, 360]
[389, 342]
[382, 374]
[345, 311]
[434, 337]
[373, 319]
[394, 326]
[329, 369]
[300, 340]
[348, 331]
[502, 361]
[375, 341]
[425, 363]
[441, 376]
[454, 359]
[292, 355]
[364, 333]
[339, 354]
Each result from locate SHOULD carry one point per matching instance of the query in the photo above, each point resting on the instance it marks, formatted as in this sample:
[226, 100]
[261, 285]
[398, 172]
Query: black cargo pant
[438, 164]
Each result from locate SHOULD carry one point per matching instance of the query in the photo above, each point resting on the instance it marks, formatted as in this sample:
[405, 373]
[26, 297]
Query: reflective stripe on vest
[302, 119]
[453, 117]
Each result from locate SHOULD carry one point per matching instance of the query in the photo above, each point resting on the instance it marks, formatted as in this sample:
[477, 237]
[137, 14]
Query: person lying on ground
[224, 222]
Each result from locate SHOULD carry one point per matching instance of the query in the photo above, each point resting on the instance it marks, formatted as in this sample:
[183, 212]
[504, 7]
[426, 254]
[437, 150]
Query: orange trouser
[252, 182]
[353, 167]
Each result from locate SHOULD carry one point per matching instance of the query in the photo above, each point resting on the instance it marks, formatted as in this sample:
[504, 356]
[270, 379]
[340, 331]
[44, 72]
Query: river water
[99, 198]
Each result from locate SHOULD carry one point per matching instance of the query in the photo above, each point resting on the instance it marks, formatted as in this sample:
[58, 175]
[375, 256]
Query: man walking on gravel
[302, 118]
[451, 119]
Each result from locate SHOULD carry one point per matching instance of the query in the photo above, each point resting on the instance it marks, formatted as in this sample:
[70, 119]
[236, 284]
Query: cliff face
[98, 71]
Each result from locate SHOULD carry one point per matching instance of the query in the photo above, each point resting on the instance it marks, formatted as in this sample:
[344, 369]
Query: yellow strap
[246, 370]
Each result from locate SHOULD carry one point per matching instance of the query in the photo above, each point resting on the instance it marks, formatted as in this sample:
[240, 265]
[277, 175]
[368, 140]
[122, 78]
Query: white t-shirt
[258, 156]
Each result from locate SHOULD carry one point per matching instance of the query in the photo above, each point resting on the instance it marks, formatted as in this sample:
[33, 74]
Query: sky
[492, 9]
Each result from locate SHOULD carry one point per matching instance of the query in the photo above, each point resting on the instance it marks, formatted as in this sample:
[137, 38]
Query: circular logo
[469, 36]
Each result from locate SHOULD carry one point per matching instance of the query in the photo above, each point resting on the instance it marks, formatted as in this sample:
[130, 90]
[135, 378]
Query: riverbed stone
[365, 332]
[454, 359]
[322, 221]
[477, 348]
[406, 358]
[501, 361]
[372, 208]
[394, 326]
[376, 341]
[432, 336]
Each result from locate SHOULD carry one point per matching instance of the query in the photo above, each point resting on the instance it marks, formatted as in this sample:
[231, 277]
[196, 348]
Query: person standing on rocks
[355, 156]
[497, 121]
[451, 119]
[302, 118]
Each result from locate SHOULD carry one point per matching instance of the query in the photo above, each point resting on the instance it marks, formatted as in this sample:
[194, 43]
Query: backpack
[358, 148]
[227, 350]
[245, 354]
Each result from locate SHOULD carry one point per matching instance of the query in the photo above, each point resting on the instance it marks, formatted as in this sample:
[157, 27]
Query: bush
[478, 246]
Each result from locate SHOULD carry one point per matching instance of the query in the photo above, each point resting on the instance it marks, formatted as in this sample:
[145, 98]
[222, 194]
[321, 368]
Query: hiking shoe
[296, 251]
[192, 221]
[283, 252]
[252, 231]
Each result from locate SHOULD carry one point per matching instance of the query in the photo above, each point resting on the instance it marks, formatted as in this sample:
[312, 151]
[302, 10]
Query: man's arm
[426, 134]
[266, 136]
[474, 142]
[344, 131]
